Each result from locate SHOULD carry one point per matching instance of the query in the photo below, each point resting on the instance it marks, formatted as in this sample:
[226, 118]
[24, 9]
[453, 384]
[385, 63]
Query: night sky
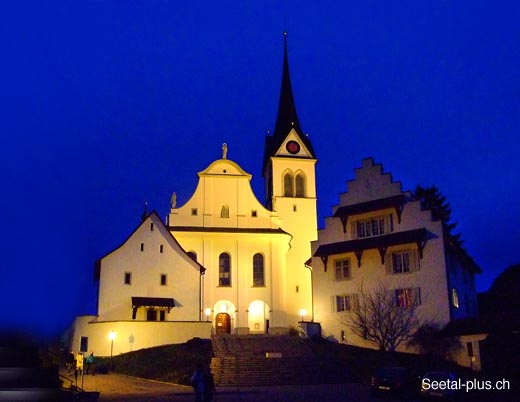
[108, 104]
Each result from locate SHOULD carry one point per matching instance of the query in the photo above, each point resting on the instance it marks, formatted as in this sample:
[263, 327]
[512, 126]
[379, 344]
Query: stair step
[270, 360]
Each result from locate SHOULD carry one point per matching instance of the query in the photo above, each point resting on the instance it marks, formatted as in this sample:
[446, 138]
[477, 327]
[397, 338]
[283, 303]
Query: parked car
[395, 381]
[438, 384]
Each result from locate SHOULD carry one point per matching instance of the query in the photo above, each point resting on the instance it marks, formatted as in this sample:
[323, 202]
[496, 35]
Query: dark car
[395, 381]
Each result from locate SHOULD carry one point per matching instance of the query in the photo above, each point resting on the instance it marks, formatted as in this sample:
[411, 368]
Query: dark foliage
[433, 200]
[171, 363]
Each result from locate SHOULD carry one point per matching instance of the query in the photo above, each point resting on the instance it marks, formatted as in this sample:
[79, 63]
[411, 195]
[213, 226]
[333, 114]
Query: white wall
[134, 335]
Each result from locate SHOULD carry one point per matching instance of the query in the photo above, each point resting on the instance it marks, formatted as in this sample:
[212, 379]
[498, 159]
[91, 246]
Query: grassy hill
[170, 363]
[175, 363]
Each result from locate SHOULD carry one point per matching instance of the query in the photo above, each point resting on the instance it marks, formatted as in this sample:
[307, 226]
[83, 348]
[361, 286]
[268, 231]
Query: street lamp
[303, 312]
[111, 336]
[207, 311]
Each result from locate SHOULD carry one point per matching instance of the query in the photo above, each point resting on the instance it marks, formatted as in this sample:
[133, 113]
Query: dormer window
[370, 227]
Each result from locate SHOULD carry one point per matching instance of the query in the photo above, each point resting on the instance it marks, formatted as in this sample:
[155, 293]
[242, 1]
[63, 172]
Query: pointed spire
[287, 116]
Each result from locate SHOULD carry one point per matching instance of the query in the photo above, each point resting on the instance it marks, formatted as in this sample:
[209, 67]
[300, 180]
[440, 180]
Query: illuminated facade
[256, 280]
[223, 262]
[380, 237]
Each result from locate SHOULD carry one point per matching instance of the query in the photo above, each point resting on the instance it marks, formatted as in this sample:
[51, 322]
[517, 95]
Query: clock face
[293, 147]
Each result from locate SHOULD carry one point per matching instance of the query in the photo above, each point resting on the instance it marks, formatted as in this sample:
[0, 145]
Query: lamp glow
[111, 337]
[303, 312]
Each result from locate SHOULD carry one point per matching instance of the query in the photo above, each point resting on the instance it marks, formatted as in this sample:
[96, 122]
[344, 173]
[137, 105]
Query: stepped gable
[256, 360]
[370, 183]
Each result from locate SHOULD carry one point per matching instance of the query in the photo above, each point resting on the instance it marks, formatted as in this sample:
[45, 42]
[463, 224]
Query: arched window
[288, 186]
[300, 185]
[258, 270]
[224, 212]
[224, 270]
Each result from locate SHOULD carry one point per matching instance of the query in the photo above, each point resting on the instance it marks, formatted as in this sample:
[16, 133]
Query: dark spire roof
[287, 117]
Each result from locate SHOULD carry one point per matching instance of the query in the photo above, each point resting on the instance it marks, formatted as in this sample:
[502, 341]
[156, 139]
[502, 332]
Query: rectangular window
[163, 279]
[151, 227]
[161, 249]
[344, 303]
[371, 227]
[83, 344]
[295, 208]
[162, 315]
[342, 269]
[454, 298]
[128, 278]
[408, 297]
[194, 212]
[142, 246]
[254, 214]
[469, 345]
[151, 315]
[402, 262]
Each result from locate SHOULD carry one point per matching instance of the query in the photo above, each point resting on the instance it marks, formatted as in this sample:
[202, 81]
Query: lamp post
[302, 313]
[111, 336]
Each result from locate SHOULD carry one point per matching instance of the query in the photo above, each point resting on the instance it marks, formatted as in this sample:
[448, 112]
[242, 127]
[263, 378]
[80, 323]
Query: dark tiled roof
[370, 206]
[392, 239]
[287, 118]
[225, 229]
[152, 302]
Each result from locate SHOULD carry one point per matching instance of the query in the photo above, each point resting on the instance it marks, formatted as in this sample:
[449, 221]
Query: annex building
[380, 239]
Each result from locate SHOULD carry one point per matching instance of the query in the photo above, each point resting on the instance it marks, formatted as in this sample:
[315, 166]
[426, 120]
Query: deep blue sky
[108, 104]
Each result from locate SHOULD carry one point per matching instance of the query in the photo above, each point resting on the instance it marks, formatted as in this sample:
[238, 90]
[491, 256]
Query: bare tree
[382, 318]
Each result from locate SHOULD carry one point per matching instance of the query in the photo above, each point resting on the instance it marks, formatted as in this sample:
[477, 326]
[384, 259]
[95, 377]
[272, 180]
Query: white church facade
[223, 262]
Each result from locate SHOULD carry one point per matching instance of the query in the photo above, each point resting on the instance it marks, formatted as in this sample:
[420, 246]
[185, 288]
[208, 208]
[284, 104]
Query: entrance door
[223, 323]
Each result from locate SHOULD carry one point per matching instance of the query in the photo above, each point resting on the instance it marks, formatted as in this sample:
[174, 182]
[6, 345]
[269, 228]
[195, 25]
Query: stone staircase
[253, 360]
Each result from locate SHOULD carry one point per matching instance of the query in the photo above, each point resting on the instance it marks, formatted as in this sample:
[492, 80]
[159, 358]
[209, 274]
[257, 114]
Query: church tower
[290, 182]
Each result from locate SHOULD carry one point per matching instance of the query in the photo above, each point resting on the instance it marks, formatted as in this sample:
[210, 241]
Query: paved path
[119, 388]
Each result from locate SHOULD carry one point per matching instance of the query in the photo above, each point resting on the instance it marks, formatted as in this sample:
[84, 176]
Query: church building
[223, 262]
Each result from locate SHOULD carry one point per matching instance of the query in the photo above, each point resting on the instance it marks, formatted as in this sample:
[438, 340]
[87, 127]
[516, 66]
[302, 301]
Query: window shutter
[388, 263]
[355, 300]
[414, 256]
[417, 296]
[333, 304]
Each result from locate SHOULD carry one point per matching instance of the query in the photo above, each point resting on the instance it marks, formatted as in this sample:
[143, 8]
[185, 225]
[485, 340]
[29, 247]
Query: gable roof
[155, 217]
